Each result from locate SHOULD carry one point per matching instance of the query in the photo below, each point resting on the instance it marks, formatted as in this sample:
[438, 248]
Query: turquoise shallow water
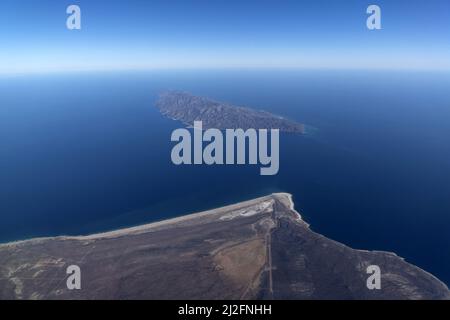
[89, 152]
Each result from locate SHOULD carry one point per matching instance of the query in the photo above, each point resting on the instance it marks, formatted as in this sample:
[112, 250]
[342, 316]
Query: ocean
[89, 152]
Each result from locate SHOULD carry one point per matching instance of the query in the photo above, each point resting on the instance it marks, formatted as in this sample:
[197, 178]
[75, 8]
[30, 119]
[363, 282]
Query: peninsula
[257, 249]
[188, 108]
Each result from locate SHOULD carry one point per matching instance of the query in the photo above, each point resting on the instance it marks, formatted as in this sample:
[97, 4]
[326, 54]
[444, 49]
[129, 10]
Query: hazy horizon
[140, 35]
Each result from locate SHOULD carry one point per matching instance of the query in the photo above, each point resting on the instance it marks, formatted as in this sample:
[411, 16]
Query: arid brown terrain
[188, 108]
[259, 249]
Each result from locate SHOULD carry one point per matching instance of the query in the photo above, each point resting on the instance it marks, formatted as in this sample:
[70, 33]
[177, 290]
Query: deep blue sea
[82, 153]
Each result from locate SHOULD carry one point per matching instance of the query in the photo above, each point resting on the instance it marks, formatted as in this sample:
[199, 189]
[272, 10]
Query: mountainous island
[188, 108]
[258, 249]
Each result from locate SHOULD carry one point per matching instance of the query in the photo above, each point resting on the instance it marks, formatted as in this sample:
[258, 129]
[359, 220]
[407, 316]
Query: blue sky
[149, 34]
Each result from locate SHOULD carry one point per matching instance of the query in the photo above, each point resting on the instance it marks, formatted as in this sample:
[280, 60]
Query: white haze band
[235, 140]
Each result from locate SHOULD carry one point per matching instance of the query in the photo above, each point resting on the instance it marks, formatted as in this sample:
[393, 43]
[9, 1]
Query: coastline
[168, 223]
[267, 210]
[147, 227]
[291, 203]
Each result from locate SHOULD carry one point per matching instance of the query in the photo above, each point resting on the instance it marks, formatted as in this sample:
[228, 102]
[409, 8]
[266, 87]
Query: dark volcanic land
[259, 249]
[188, 108]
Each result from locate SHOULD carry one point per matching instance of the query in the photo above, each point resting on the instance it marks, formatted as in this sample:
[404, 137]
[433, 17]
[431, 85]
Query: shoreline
[291, 203]
[147, 227]
[207, 216]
